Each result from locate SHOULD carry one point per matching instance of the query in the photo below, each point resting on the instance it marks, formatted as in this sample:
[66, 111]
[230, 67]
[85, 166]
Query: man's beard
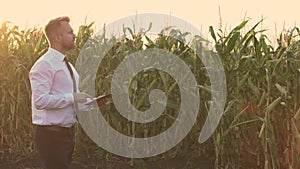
[69, 46]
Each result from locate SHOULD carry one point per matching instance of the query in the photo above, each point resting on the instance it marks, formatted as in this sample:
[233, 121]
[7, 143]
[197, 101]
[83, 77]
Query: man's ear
[57, 37]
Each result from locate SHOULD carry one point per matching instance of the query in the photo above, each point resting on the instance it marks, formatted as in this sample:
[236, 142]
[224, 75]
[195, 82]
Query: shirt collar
[58, 54]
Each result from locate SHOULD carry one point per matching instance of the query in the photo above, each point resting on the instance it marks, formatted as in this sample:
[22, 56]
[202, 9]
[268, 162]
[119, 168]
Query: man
[55, 96]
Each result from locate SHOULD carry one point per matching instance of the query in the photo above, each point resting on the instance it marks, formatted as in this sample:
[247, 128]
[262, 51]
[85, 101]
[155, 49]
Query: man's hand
[81, 97]
[101, 102]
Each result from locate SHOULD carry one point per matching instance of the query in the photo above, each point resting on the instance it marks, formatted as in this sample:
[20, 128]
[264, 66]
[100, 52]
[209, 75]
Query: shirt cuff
[69, 97]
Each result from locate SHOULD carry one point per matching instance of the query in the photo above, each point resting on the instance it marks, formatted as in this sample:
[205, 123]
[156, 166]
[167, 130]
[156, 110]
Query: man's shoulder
[48, 57]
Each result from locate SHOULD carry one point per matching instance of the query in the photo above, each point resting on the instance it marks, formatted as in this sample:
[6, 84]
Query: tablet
[91, 101]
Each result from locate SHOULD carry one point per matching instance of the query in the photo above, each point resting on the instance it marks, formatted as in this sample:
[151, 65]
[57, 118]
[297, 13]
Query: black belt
[56, 128]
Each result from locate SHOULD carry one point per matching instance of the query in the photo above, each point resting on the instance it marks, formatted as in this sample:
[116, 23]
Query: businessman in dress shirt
[53, 97]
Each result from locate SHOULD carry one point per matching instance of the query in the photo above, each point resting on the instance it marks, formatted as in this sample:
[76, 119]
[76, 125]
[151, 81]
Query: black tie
[74, 83]
[69, 67]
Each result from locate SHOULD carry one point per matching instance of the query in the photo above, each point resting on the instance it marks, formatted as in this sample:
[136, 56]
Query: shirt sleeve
[41, 78]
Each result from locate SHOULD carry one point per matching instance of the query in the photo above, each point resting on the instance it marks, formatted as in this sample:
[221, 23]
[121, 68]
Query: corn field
[261, 121]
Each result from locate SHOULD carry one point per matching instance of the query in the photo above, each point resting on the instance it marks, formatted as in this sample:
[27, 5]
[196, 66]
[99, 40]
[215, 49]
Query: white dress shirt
[52, 88]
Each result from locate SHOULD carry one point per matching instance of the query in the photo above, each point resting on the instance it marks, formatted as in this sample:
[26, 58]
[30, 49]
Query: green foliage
[259, 128]
[264, 83]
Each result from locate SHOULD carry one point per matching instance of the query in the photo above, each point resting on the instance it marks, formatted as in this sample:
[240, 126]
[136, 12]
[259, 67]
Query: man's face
[67, 37]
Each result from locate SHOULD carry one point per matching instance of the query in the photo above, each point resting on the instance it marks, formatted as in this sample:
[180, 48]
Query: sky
[199, 13]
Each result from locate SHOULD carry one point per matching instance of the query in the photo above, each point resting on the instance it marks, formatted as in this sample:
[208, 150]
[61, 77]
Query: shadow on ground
[176, 163]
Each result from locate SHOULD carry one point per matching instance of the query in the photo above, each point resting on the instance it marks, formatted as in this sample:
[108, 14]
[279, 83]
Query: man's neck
[58, 48]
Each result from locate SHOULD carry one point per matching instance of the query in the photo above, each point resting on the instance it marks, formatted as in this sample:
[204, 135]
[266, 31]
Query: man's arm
[41, 78]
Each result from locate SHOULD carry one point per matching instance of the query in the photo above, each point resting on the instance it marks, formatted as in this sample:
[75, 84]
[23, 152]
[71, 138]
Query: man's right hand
[81, 97]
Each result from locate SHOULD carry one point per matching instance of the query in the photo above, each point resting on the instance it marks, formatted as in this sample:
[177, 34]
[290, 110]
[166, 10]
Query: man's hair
[53, 25]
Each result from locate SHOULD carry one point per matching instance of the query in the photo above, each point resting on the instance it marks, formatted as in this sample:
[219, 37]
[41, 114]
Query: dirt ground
[176, 163]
